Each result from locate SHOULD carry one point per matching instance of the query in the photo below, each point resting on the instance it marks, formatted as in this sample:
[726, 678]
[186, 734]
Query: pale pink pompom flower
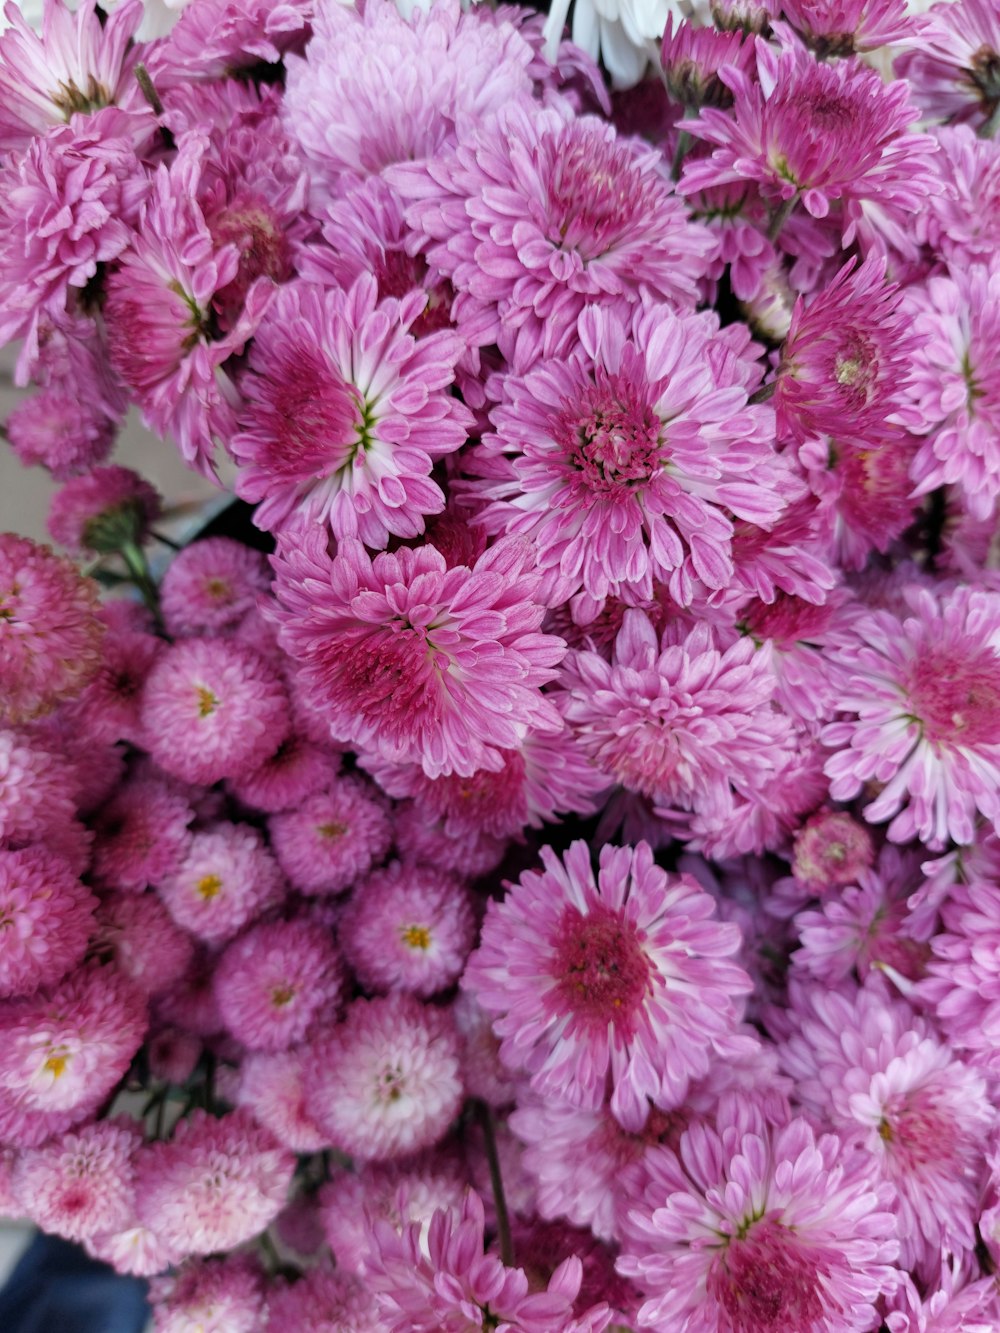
[46, 919]
[211, 585]
[142, 834]
[413, 660]
[331, 838]
[322, 1301]
[620, 984]
[273, 1088]
[138, 934]
[226, 879]
[79, 1185]
[224, 1295]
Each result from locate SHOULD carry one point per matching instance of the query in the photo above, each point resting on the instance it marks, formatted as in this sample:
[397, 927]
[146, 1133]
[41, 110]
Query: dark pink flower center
[391, 678]
[258, 235]
[787, 620]
[493, 802]
[766, 1279]
[595, 192]
[919, 1134]
[955, 695]
[611, 438]
[602, 971]
[309, 417]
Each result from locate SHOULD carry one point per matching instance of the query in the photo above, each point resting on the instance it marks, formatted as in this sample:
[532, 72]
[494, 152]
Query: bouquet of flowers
[546, 877]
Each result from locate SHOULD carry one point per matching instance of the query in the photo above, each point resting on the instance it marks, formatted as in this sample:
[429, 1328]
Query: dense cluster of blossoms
[546, 877]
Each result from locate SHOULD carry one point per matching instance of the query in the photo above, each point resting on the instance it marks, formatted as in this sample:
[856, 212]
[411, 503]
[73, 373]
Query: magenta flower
[346, 413]
[538, 213]
[831, 849]
[955, 384]
[624, 460]
[36, 789]
[923, 699]
[102, 510]
[135, 929]
[332, 837]
[50, 636]
[226, 879]
[619, 984]
[80, 1185]
[322, 1299]
[211, 585]
[273, 1087]
[142, 835]
[831, 134]
[444, 1284]
[962, 224]
[418, 662]
[752, 1227]
[963, 982]
[81, 62]
[872, 1068]
[837, 27]
[296, 770]
[215, 1295]
[677, 722]
[215, 39]
[952, 65]
[46, 917]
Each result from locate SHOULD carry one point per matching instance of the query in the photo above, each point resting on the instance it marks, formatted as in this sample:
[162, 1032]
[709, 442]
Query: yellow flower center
[209, 887]
[207, 702]
[417, 937]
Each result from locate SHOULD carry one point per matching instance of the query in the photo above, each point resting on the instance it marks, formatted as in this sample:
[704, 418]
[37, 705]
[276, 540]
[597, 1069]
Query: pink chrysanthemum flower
[446, 1282]
[407, 928]
[346, 413]
[36, 788]
[50, 635]
[843, 26]
[142, 835]
[274, 1088]
[677, 722]
[138, 934]
[297, 769]
[415, 661]
[691, 58]
[418, 839]
[754, 1227]
[954, 1303]
[46, 917]
[158, 310]
[332, 838]
[954, 382]
[214, 1185]
[963, 985]
[962, 224]
[623, 981]
[923, 695]
[211, 709]
[484, 1074]
[388, 1082]
[211, 585]
[102, 510]
[64, 1049]
[831, 849]
[219, 39]
[276, 981]
[870, 1066]
[832, 135]
[321, 1301]
[210, 1296]
[845, 360]
[375, 88]
[624, 461]
[800, 635]
[953, 65]
[227, 878]
[57, 430]
[135, 1249]
[80, 62]
[538, 213]
[108, 708]
[80, 1185]
[548, 775]
[69, 204]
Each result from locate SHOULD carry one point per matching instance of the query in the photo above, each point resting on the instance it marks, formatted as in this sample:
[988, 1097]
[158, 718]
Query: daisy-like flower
[142, 835]
[346, 413]
[845, 360]
[215, 1184]
[953, 65]
[953, 387]
[276, 981]
[375, 88]
[82, 61]
[622, 982]
[870, 1066]
[446, 1282]
[211, 585]
[224, 1295]
[963, 982]
[549, 774]
[538, 213]
[923, 698]
[50, 634]
[80, 1185]
[832, 135]
[136, 930]
[388, 1082]
[677, 722]
[158, 310]
[211, 709]
[322, 1300]
[65, 1048]
[413, 660]
[102, 511]
[754, 1227]
[227, 878]
[273, 1087]
[624, 460]
[691, 58]
[46, 916]
[68, 204]
[332, 838]
[407, 928]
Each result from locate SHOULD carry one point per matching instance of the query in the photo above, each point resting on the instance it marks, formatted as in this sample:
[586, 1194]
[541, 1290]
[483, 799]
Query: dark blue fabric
[56, 1288]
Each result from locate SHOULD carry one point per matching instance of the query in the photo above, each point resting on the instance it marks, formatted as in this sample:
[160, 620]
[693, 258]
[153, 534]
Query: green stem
[680, 152]
[780, 217]
[496, 1182]
[138, 568]
[765, 392]
[271, 1256]
[989, 127]
[148, 90]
